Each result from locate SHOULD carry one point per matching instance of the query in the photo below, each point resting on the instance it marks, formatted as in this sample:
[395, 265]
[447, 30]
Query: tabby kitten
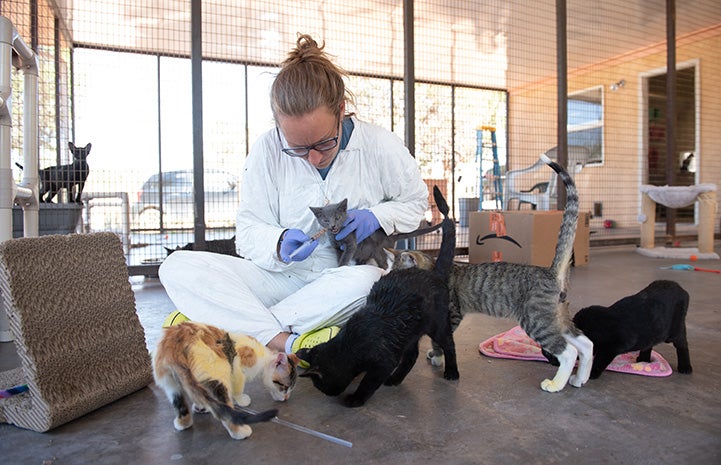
[332, 217]
[203, 367]
[381, 339]
[534, 296]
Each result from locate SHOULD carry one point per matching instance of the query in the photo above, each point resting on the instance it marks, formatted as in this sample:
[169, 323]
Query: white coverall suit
[261, 296]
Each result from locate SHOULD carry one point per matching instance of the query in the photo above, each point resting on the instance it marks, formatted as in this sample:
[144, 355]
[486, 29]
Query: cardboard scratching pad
[72, 314]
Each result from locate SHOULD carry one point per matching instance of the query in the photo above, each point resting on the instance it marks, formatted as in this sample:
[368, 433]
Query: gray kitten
[333, 216]
[533, 295]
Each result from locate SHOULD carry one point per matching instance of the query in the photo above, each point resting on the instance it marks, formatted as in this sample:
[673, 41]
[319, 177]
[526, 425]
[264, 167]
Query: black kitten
[381, 339]
[54, 178]
[654, 315]
[221, 246]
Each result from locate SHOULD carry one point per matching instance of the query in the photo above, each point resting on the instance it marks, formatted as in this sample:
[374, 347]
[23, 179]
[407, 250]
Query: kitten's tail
[442, 207]
[239, 417]
[444, 262]
[564, 249]
[418, 232]
[212, 395]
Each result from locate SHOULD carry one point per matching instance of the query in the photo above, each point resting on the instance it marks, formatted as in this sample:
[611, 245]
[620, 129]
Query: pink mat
[516, 345]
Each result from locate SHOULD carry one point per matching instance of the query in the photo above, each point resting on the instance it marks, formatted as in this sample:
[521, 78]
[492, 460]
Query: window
[585, 122]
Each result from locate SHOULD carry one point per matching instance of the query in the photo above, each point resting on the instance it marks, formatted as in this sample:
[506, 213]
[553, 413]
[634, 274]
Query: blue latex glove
[363, 222]
[296, 246]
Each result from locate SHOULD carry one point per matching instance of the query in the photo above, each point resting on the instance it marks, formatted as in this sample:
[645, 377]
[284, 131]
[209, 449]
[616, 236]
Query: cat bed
[679, 253]
[72, 315]
[516, 345]
[676, 196]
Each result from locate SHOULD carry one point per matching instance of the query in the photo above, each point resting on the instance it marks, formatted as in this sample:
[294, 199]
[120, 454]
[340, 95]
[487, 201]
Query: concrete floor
[496, 413]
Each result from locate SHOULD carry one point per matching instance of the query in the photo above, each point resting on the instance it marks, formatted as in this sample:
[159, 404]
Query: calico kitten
[654, 315]
[207, 367]
[70, 176]
[381, 339]
[411, 259]
[332, 217]
[221, 246]
[534, 296]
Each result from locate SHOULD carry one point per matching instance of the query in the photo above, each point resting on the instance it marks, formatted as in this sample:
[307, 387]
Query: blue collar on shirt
[347, 127]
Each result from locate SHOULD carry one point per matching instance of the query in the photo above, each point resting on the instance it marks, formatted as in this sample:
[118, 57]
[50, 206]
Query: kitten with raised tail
[532, 295]
[381, 339]
[654, 315]
[372, 249]
[204, 368]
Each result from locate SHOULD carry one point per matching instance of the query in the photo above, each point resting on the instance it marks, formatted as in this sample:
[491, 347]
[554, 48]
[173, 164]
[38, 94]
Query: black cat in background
[54, 178]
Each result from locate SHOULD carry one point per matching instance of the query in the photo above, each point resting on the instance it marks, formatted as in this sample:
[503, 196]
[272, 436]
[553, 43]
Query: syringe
[307, 244]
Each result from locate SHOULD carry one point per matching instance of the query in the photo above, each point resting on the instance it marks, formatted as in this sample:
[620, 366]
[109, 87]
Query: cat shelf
[677, 197]
[53, 218]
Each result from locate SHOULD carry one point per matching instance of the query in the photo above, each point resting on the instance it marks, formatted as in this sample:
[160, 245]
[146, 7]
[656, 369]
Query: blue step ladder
[494, 185]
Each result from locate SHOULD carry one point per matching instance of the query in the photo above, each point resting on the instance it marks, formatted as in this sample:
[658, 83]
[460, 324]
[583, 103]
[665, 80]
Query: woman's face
[315, 128]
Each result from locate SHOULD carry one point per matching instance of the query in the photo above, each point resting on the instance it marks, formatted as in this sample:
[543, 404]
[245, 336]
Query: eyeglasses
[322, 146]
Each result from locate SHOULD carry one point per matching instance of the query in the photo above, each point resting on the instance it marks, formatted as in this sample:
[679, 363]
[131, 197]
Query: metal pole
[409, 83]
[409, 79]
[14, 52]
[196, 59]
[670, 112]
[562, 91]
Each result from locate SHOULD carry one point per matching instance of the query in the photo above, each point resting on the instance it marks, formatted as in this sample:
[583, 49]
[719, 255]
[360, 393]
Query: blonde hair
[307, 80]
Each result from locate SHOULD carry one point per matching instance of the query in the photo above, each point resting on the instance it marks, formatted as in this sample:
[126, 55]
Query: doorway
[686, 158]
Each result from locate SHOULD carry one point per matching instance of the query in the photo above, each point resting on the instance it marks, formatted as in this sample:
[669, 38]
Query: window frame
[597, 156]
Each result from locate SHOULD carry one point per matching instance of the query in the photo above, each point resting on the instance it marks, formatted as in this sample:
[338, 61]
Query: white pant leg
[328, 300]
[229, 292]
[236, 295]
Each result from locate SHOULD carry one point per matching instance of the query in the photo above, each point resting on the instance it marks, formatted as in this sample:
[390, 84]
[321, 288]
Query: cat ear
[71, 145]
[394, 252]
[281, 359]
[343, 204]
[302, 354]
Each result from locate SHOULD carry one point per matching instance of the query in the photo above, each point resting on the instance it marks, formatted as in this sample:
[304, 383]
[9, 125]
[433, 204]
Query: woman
[317, 154]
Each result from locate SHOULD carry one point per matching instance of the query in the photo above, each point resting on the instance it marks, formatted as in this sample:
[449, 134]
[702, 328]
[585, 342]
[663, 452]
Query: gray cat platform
[72, 316]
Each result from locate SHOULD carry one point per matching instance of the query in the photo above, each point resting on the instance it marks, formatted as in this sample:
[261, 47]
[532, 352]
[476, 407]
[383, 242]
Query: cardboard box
[527, 237]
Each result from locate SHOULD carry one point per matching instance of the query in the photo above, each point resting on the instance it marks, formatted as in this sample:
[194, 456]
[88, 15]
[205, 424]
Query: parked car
[221, 200]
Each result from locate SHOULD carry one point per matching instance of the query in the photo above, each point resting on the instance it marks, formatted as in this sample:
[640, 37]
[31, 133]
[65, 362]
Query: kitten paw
[435, 357]
[576, 381]
[182, 423]
[451, 375]
[243, 400]
[239, 431]
[353, 401]
[685, 370]
[199, 409]
[549, 385]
